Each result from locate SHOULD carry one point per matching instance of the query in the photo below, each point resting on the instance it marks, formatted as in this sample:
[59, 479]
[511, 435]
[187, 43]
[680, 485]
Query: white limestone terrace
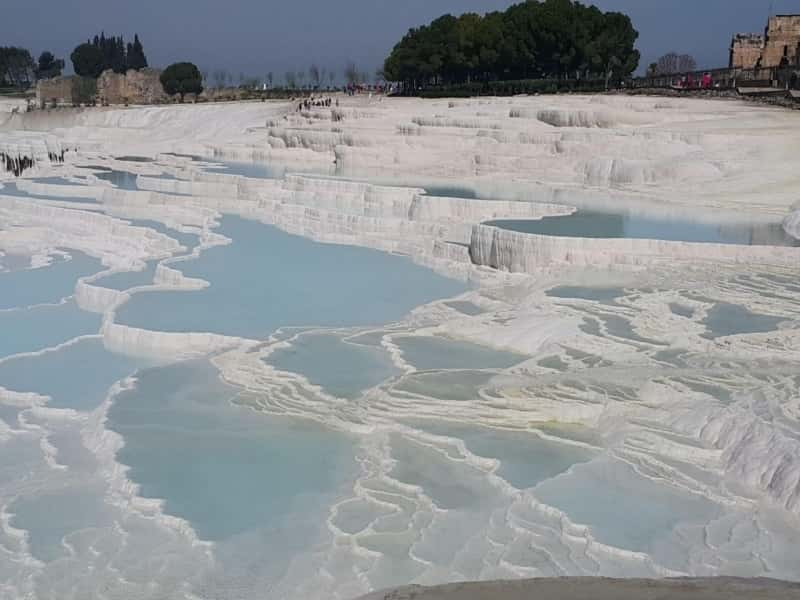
[683, 369]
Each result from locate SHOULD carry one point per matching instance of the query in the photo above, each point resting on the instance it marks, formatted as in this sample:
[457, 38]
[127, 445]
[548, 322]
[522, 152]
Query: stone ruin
[779, 46]
[133, 87]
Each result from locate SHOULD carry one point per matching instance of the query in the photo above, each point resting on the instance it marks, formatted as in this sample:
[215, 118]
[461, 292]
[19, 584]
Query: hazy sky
[258, 36]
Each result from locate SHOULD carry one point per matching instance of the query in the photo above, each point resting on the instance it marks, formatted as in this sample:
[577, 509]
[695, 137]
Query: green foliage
[87, 60]
[554, 39]
[182, 78]
[49, 66]
[17, 68]
[113, 54]
[512, 87]
[135, 55]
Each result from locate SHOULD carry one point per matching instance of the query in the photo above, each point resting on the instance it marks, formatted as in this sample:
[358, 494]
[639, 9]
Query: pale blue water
[433, 352]
[446, 385]
[621, 507]
[594, 224]
[15, 262]
[136, 159]
[78, 376]
[123, 180]
[257, 170]
[225, 468]
[10, 415]
[342, 369]
[46, 284]
[268, 279]
[681, 310]
[53, 180]
[526, 459]
[467, 308]
[731, 319]
[451, 191]
[187, 240]
[601, 295]
[46, 527]
[11, 189]
[43, 327]
[129, 279]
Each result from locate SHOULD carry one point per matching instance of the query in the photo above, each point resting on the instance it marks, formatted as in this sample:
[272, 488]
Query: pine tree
[136, 58]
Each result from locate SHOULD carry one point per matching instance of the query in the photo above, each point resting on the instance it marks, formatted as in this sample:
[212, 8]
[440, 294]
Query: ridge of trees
[17, 68]
[102, 53]
[536, 39]
[49, 66]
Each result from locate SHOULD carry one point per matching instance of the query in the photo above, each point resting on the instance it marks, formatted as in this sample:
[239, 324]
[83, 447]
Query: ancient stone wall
[133, 87]
[746, 50]
[779, 46]
[59, 90]
[783, 41]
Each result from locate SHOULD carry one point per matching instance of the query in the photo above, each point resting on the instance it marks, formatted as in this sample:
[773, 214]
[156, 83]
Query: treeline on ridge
[547, 39]
[103, 53]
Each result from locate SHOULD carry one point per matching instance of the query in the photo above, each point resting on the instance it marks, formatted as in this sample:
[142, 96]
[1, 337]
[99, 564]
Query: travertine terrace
[669, 367]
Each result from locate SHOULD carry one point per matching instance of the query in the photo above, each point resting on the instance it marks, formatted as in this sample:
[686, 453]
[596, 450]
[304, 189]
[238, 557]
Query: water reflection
[595, 224]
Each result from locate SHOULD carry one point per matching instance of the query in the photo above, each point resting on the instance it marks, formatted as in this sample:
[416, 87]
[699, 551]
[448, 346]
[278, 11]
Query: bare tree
[667, 64]
[686, 63]
[351, 73]
[219, 78]
[313, 75]
[673, 63]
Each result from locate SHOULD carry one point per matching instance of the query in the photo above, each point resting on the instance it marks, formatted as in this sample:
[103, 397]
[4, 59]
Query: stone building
[133, 87]
[61, 91]
[779, 46]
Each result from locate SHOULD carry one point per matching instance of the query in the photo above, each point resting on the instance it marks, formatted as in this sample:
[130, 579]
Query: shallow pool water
[595, 224]
[468, 308]
[595, 294]
[33, 329]
[226, 469]
[526, 458]
[136, 159]
[128, 279]
[436, 352]
[123, 180]
[623, 508]
[78, 376]
[446, 385]
[187, 240]
[45, 285]
[11, 189]
[256, 170]
[285, 280]
[46, 528]
[731, 319]
[15, 262]
[342, 369]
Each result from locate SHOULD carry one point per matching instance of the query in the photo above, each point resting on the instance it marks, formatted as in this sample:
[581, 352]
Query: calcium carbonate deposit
[253, 352]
